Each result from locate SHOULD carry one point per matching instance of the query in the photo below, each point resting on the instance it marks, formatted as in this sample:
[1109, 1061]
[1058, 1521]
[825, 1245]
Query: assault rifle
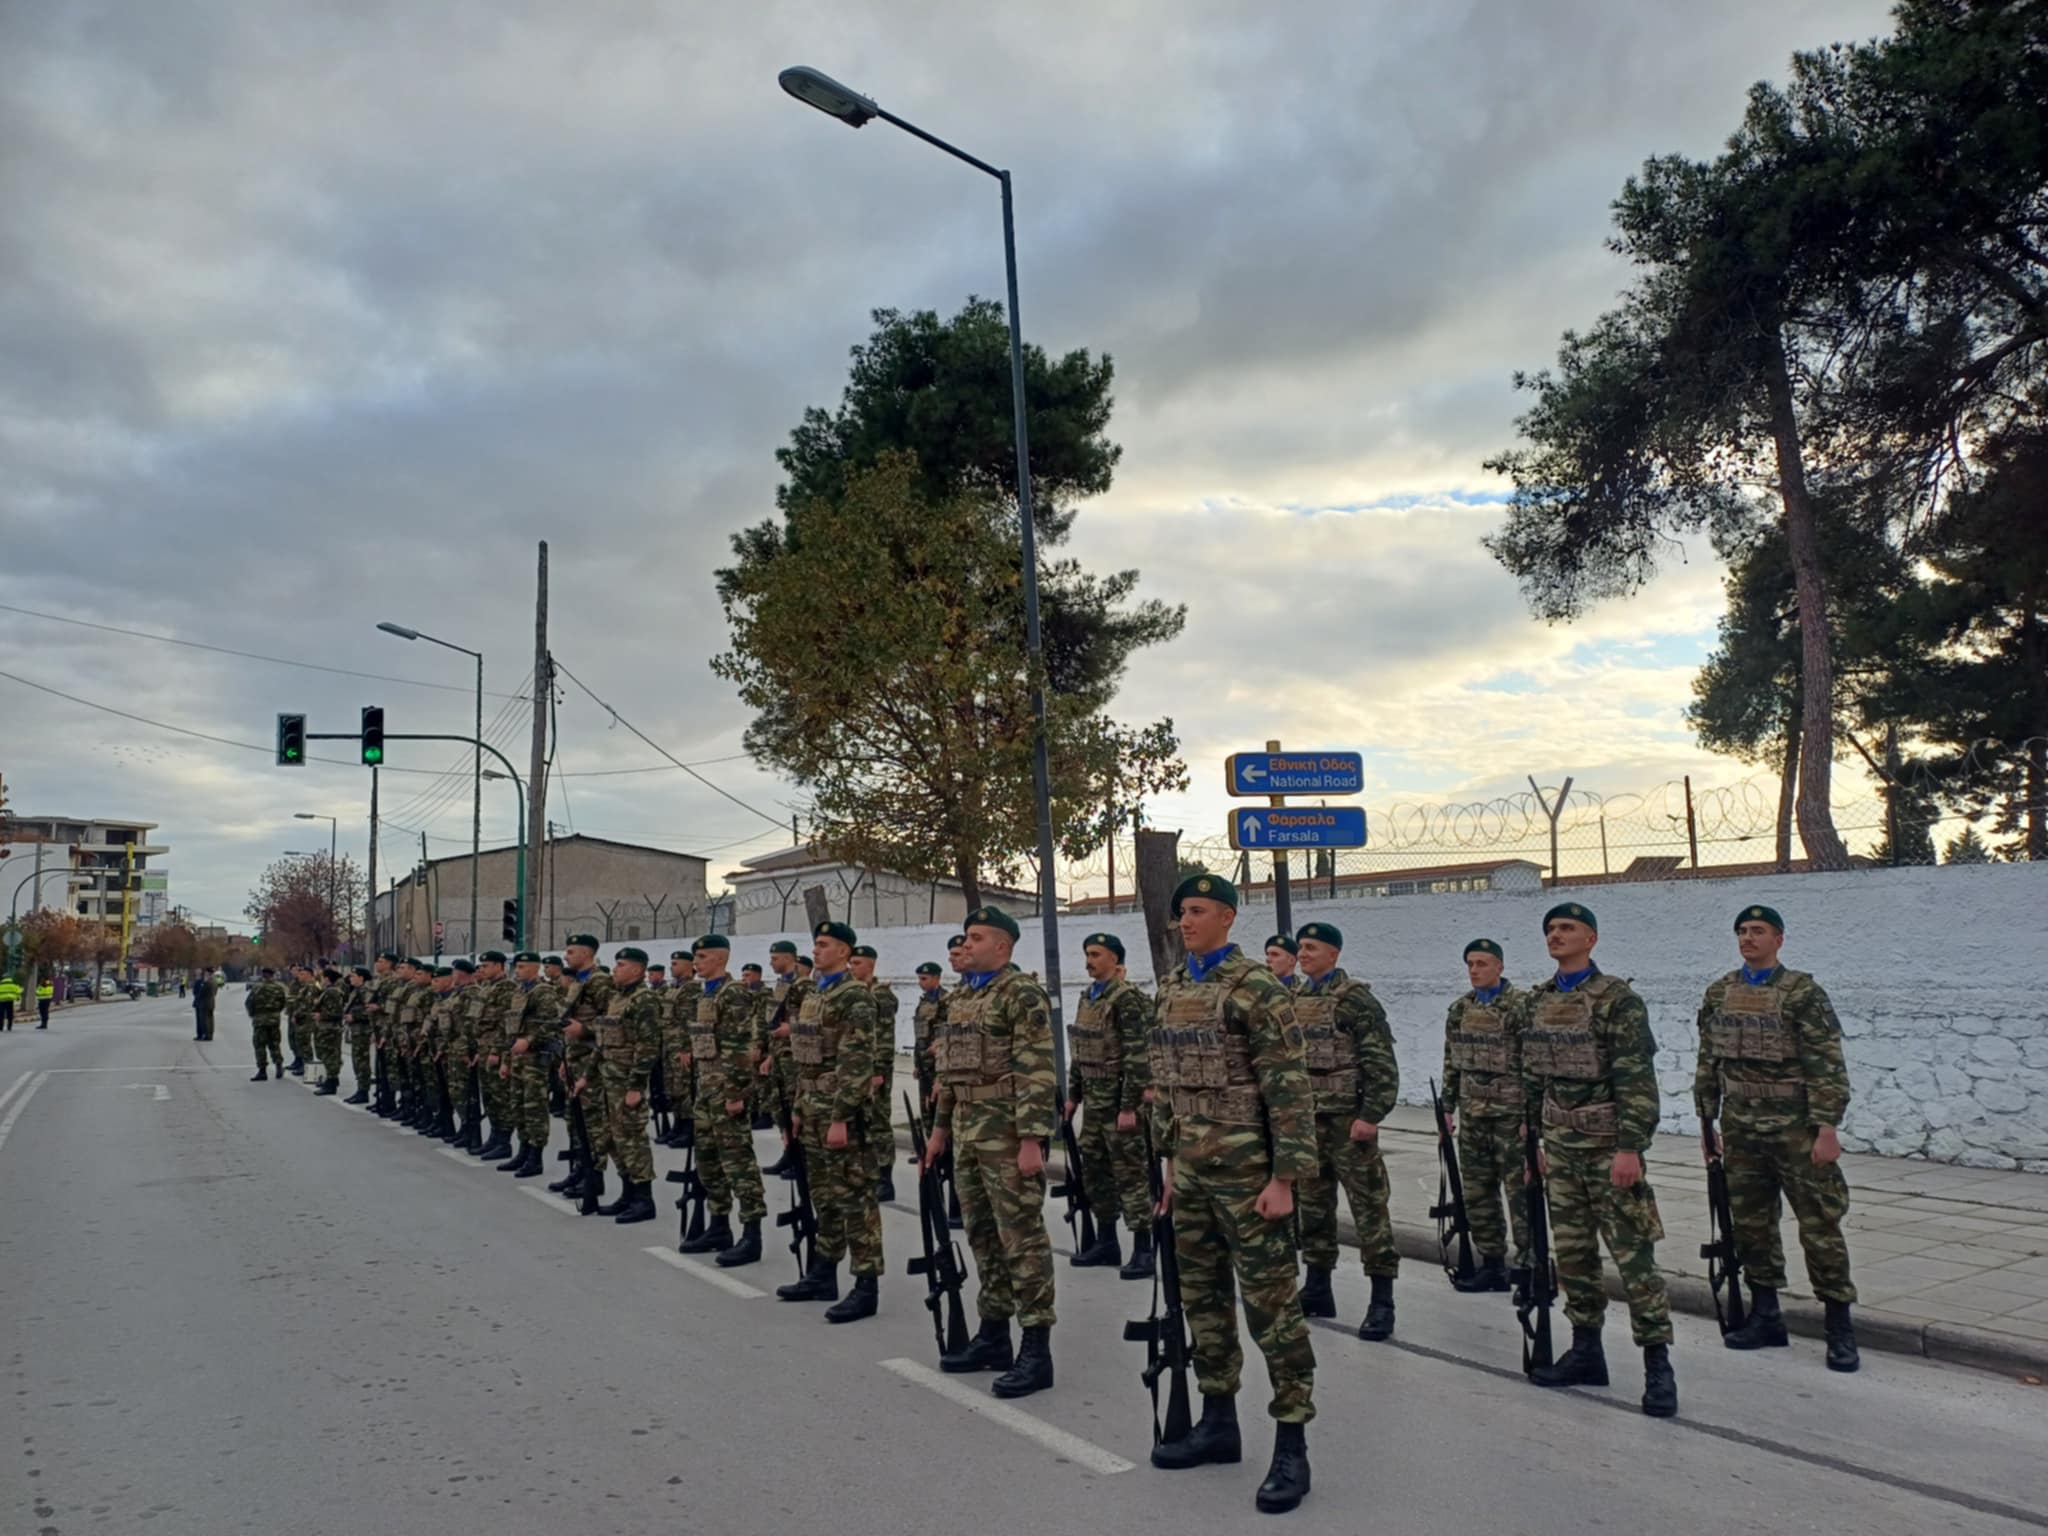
[1724, 1260]
[473, 1109]
[444, 1104]
[944, 1272]
[692, 1200]
[1080, 1214]
[380, 1073]
[802, 1217]
[1539, 1291]
[658, 1101]
[1449, 1211]
[1164, 1334]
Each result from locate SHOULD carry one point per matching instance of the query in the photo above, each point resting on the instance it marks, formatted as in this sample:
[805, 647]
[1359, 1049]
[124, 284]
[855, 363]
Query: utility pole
[371, 947]
[1283, 899]
[1692, 828]
[1553, 812]
[537, 764]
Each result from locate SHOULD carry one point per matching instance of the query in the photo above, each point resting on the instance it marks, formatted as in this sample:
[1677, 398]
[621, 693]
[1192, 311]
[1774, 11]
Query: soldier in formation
[1282, 959]
[718, 1055]
[587, 990]
[924, 1018]
[628, 1046]
[880, 1122]
[1483, 1103]
[1106, 1083]
[328, 1006]
[266, 1004]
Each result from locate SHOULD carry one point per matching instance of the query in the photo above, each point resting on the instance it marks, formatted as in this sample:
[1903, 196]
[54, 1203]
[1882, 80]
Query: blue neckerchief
[827, 983]
[1315, 983]
[582, 975]
[713, 983]
[1569, 982]
[976, 980]
[757, 986]
[1759, 978]
[528, 986]
[1201, 965]
[1095, 991]
[1489, 994]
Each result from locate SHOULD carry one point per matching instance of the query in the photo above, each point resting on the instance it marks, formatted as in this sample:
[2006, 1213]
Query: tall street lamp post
[333, 843]
[476, 819]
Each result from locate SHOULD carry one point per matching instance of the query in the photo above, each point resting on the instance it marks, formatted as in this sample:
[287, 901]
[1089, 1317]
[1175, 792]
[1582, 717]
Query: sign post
[1276, 775]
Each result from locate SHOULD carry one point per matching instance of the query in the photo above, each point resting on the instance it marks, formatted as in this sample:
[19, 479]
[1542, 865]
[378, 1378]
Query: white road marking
[15, 1087]
[457, 1153]
[20, 1104]
[554, 1203]
[707, 1273]
[159, 1092]
[976, 1399]
[147, 1067]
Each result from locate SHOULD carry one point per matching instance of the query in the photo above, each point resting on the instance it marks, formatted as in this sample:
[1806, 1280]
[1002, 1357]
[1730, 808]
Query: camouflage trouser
[529, 1096]
[597, 1120]
[842, 1192]
[327, 1041]
[1492, 1158]
[1763, 1163]
[628, 1127]
[496, 1091]
[267, 1031]
[359, 1055]
[1585, 1208]
[1358, 1166]
[881, 1123]
[295, 1036]
[1004, 1214]
[1223, 1244]
[1112, 1161]
[727, 1165]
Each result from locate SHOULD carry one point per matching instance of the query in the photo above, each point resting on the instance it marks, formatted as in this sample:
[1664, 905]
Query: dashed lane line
[976, 1400]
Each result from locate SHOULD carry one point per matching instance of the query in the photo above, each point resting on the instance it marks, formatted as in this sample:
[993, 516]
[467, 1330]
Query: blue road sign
[1294, 773]
[1282, 827]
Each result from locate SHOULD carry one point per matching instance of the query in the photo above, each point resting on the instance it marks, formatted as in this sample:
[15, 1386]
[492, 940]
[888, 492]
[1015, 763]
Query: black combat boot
[328, 1089]
[1214, 1439]
[296, 1066]
[1518, 1281]
[1491, 1275]
[472, 1138]
[360, 1096]
[1379, 1312]
[1286, 1483]
[570, 1184]
[820, 1283]
[1842, 1352]
[613, 1207]
[261, 1076]
[778, 1169]
[1032, 1371]
[515, 1161]
[717, 1234]
[1316, 1298]
[763, 1122]
[638, 1206]
[495, 1146]
[746, 1251]
[1104, 1253]
[592, 1191]
[1139, 1265]
[1765, 1326]
[988, 1350]
[885, 1187]
[862, 1301]
[1583, 1365]
[1660, 1385]
[533, 1167]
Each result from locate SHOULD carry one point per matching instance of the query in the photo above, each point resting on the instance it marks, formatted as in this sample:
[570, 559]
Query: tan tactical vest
[704, 1027]
[971, 1061]
[1750, 1024]
[922, 1019]
[1204, 1065]
[1092, 1039]
[1332, 1068]
[1560, 1043]
[611, 1029]
[813, 1043]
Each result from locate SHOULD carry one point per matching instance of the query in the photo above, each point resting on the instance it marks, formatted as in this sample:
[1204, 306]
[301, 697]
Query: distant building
[768, 894]
[97, 868]
[1509, 876]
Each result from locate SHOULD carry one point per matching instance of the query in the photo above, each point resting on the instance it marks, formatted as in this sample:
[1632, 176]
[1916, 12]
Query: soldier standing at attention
[554, 973]
[880, 1123]
[833, 1045]
[299, 996]
[778, 1078]
[924, 1018]
[1281, 957]
[1483, 1080]
[533, 1021]
[265, 1002]
[629, 1041]
[496, 996]
[1770, 1063]
[997, 1093]
[365, 1025]
[328, 1007]
[1231, 1095]
[718, 1056]
[1588, 1052]
[1106, 1073]
[657, 978]
[679, 1012]
[1356, 1081]
[391, 989]
[586, 998]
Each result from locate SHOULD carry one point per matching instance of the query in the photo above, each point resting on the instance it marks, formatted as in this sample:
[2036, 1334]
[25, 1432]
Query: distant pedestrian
[10, 994]
[45, 992]
[202, 1006]
[181, 986]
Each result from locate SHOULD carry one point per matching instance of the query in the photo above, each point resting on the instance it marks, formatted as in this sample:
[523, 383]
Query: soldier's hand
[578, 1089]
[877, 1082]
[1127, 1120]
[835, 1135]
[735, 1107]
[506, 1072]
[1276, 1200]
[518, 1047]
[682, 1061]
[1067, 1109]
[1364, 1130]
[575, 1030]
[767, 1066]
[1710, 1146]
[781, 1031]
[1542, 1165]
[1148, 1096]
[1627, 1171]
[1030, 1157]
[1827, 1146]
[934, 1147]
[632, 1098]
[1165, 1205]
[1450, 1123]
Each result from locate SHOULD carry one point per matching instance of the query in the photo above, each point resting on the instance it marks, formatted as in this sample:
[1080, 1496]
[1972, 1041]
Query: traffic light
[373, 735]
[291, 741]
[511, 927]
[6, 822]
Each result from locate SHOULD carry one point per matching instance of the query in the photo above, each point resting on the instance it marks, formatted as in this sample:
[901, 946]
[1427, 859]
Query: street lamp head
[816, 89]
[492, 773]
[400, 630]
[306, 816]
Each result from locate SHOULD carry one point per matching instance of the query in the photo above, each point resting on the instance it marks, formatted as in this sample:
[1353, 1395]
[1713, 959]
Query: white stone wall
[1940, 976]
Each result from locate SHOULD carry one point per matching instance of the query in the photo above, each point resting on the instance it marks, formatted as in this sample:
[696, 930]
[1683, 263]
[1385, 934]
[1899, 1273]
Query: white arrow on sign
[162, 1093]
[1248, 829]
[1252, 773]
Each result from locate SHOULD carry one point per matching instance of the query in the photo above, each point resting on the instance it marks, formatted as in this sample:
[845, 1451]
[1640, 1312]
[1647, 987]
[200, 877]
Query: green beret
[496, 956]
[392, 955]
[416, 963]
[551, 960]
[1572, 910]
[631, 953]
[713, 941]
[956, 941]
[1322, 933]
[1108, 941]
[750, 966]
[992, 917]
[929, 969]
[586, 940]
[360, 970]
[782, 947]
[865, 952]
[1207, 886]
[1484, 947]
[467, 967]
[1283, 942]
[657, 969]
[839, 931]
[679, 954]
[1760, 915]
[443, 970]
[527, 957]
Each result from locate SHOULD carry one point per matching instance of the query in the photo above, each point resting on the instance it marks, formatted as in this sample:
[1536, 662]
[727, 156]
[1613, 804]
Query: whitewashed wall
[1940, 976]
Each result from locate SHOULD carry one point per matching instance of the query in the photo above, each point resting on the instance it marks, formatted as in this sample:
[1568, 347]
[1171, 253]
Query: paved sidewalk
[1949, 1262]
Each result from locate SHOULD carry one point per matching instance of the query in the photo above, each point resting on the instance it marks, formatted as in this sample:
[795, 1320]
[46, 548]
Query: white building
[768, 894]
[98, 868]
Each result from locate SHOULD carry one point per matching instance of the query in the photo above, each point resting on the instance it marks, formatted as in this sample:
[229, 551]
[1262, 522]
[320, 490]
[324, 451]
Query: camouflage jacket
[723, 1048]
[1123, 1016]
[585, 999]
[329, 1006]
[840, 1019]
[1483, 1054]
[778, 1003]
[1589, 1058]
[1232, 1029]
[440, 1016]
[494, 1011]
[266, 1000]
[535, 1015]
[886, 1007]
[1002, 1034]
[1364, 1081]
[924, 1023]
[1775, 1051]
[635, 1011]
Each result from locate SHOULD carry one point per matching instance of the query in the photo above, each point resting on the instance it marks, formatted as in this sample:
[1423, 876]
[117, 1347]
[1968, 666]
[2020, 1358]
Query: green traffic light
[373, 754]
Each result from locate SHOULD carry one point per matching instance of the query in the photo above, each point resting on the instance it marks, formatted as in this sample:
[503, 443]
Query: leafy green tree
[1965, 848]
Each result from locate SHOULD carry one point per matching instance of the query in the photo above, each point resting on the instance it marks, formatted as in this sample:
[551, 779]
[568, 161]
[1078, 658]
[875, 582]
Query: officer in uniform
[833, 1045]
[299, 1000]
[533, 1023]
[1282, 954]
[363, 1025]
[436, 1036]
[1770, 1065]
[719, 1056]
[997, 1097]
[413, 1003]
[1106, 1072]
[778, 1081]
[388, 989]
[586, 998]
[679, 1013]
[491, 1000]
[1588, 1052]
[1356, 1081]
[355, 1025]
[1231, 1097]
[265, 1002]
[328, 1006]
[881, 1095]
[924, 1018]
[1483, 1083]
[629, 1045]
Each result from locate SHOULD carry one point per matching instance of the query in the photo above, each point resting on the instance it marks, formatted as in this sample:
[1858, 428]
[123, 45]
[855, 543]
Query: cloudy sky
[312, 316]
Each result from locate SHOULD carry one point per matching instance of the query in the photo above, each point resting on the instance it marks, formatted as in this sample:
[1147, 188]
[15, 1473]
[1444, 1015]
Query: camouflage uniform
[832, 1044]
[1770, 1063]
[629, 1041]
[679, 1012]
[265, 1002]
[924, 1023]
[993, 1050]
[723, 1057]
[361, 1006]
[1231, 1094]
[437, 1039]
[778, 1085]
[1106, 1072]
[535, 1016]
[493, 1009]
[585, 999]
[328, 1009]
[881, 1101]
[1588, 1057]
[413, 1001]
[1353, 1076]
[299, 1001]
[1483, 1088]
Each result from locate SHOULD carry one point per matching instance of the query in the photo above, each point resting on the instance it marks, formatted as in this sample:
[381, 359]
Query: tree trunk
[1788, 779]
[967, 870]
[1158, 872]
[2037, 799]
[2034, 663]
[1824, 849]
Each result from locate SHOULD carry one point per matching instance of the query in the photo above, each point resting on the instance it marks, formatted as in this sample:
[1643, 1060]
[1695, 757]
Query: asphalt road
[231, 1306]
